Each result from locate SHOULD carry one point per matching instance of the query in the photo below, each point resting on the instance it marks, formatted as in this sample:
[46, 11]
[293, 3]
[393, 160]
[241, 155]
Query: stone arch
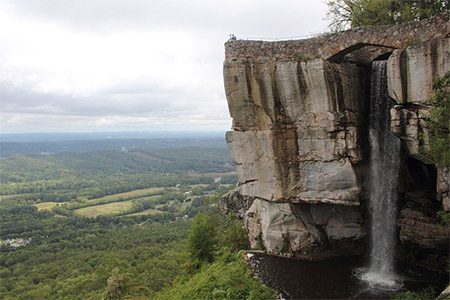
[357, 46]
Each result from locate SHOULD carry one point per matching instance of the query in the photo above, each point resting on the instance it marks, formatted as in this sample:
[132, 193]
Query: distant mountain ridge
[11, 144]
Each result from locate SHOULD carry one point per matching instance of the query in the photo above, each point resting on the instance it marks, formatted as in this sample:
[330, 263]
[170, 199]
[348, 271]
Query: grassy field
[185, 205]
[118, 203]
[47, 205]
[129, 195]
[104, 209]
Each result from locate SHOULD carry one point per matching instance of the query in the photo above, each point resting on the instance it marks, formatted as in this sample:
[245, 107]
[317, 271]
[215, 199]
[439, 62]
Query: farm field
[47, 205]
[104, 209]
[129, 195]
[140, 202]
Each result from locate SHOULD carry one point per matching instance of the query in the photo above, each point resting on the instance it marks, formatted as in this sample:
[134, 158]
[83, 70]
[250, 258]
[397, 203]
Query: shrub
[202, 240]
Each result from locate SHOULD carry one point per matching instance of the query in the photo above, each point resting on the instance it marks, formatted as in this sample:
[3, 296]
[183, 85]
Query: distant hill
[32, 167]
[11, 144]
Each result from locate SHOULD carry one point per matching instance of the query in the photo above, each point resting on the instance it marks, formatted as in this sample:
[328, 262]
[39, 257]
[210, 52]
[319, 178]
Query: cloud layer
[110, 65]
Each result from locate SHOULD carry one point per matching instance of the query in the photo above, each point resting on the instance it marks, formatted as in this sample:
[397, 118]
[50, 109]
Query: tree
[202, 240]
[235, 235]
[355, 13]
[439, 120]
[117, 285]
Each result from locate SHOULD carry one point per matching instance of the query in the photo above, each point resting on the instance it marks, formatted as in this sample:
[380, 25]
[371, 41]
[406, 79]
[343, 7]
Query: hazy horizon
[64, 136]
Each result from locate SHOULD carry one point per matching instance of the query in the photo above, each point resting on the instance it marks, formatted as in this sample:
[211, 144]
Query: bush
[227, 278]
[235, 236]
[202, 240]
[427, 293]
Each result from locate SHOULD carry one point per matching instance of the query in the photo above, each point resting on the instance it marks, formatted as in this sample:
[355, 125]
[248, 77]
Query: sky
[130, 65]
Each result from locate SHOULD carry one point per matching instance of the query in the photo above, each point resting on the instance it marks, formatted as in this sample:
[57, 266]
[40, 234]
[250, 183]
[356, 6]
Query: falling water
[385, 149]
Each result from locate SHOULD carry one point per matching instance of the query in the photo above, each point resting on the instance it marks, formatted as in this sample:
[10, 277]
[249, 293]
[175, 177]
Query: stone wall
[333, 45]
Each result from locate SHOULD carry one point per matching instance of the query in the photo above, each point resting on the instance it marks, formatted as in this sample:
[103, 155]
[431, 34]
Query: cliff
[300, 136]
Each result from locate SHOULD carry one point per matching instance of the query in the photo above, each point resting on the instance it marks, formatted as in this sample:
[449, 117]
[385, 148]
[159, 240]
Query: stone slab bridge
[333, 46]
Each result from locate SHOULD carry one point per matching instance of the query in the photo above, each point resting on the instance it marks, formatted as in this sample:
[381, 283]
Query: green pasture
[47, 205]
[104, 209]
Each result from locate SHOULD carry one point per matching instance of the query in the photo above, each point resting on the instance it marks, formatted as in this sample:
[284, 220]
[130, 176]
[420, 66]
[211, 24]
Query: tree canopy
[344, 14]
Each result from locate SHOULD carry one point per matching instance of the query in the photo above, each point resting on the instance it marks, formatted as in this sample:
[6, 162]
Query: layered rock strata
[424, 186]
[296, 142]
[299, 142]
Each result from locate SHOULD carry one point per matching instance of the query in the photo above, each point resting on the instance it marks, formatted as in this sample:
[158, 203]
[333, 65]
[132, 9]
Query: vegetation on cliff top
[215, 268]
[439, 119]
[355, 13]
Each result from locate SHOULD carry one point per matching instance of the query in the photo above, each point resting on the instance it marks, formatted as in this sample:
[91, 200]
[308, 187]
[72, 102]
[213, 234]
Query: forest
[112, 224]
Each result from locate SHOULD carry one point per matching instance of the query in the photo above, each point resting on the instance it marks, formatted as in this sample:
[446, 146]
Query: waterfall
[384, 165]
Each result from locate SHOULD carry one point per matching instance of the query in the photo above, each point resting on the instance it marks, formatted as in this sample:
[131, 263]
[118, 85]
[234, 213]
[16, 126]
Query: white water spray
[385, 157]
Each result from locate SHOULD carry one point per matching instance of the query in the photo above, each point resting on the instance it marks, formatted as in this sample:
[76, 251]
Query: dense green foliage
[125, 257]
[428, 293]
[439, 120]
[202, 241]
[216, 269]
[226, 278]
[356, 13]
[55, 253]
[73, 258]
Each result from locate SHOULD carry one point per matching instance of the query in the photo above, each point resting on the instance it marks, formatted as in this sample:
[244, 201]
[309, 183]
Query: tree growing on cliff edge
[439, 119]
[344, 14]
[202, 240]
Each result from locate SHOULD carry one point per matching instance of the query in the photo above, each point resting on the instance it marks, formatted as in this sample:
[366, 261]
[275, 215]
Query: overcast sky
[130, 65]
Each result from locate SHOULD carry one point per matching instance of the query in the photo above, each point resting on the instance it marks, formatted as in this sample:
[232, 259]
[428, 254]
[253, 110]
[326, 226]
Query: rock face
[300, 145]
[412, 70]
[297, 126]
[425, 187]
[296, 141]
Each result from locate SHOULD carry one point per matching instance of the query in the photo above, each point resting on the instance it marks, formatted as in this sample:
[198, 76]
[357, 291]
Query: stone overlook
[333, 46]
[300, 136]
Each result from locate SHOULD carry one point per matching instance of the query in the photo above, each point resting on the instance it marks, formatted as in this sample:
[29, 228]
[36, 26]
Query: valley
[77, 225]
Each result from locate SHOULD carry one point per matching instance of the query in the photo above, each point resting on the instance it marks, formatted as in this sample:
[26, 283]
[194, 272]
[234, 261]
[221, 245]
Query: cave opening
[417, 181]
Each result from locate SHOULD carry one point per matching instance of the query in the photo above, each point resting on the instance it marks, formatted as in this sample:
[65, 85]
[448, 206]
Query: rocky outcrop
[417, 228]
[296, 141]
[424, 240]
[411, 71]
[236, 203]
[424, 186]
[300, 144]
[297, 126]
[305, 229]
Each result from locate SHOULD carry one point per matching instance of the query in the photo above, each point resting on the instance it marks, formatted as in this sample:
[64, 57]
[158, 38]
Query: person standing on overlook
[232, 37]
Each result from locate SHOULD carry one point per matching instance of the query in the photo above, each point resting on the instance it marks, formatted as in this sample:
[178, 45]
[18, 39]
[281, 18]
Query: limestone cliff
[296, 143]
[299, 138]
[424, 187]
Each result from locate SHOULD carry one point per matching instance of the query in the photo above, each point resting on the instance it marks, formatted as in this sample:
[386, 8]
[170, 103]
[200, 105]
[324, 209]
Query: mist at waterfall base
[381, 278]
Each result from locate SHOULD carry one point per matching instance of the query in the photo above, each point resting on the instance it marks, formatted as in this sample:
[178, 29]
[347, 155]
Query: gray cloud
[103, 64]
[263, 16]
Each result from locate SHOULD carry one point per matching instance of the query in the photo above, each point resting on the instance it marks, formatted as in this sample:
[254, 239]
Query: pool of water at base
[334, 279]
